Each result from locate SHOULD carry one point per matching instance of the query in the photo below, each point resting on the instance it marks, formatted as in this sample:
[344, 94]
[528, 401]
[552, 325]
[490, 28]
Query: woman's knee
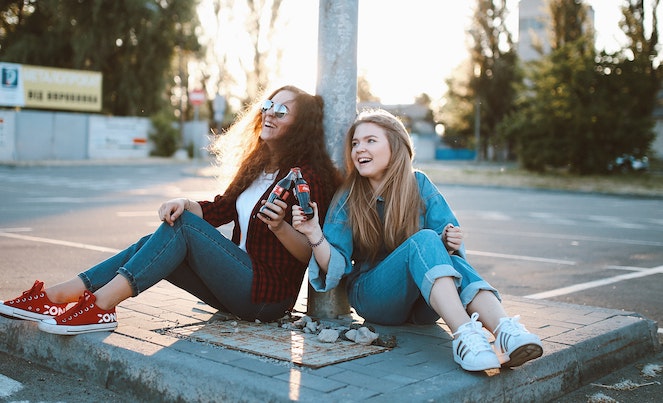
[425, 235]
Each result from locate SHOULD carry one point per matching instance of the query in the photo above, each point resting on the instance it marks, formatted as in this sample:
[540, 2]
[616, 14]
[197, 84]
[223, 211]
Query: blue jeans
[196, 257]
[397, 289]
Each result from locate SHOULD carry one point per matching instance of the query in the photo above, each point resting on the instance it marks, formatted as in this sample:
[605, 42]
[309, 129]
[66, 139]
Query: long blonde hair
[402, 202]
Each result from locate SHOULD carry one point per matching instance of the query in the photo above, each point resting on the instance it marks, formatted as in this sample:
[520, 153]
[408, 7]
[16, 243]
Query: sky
[405, 48]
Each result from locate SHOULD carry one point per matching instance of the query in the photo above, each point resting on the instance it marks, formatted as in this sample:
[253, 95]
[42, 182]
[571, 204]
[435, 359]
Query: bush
[164, 134]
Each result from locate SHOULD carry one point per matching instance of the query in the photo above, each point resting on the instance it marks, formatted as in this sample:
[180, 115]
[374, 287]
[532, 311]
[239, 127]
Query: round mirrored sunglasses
[280, 110]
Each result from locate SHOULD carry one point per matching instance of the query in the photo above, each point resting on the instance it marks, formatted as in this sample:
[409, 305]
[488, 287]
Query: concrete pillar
[337, 84]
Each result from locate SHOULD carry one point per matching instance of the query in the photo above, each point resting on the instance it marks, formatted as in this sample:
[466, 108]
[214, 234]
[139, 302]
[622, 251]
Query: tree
[364, 93]
[133, 44]
[255, 24]
[581, 109]
[492, 74]
[456, 114]
[642, 75]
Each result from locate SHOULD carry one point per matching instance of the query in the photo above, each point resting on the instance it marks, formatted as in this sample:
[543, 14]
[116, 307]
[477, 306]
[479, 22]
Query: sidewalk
[163, 351]
[169, 347]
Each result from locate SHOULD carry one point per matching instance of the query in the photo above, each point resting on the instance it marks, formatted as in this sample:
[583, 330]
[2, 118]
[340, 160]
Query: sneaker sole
[74, 330]
[476, 368]
[523, 354]
[22, 314]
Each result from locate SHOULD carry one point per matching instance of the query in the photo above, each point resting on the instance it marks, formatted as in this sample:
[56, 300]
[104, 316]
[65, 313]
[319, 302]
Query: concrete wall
[38, 135]
[48, 136]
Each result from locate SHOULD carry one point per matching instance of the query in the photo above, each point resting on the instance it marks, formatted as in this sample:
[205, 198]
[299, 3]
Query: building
[533, 22]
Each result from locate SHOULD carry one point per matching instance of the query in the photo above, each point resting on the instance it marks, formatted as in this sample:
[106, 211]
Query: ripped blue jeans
[397, 289]
[194, 256]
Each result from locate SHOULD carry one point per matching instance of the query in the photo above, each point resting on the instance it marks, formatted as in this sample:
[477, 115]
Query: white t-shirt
[248, 199]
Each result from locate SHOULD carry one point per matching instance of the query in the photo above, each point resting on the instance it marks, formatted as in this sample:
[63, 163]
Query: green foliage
[581, 110]
[132, 42]
[579, 115]
[457, 114]
[492, 73]
[165, 134]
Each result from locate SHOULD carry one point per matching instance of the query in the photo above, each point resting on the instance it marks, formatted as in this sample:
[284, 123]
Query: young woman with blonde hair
[391, 233]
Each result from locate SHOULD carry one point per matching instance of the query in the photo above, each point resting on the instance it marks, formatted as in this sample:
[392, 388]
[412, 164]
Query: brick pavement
[580, 345]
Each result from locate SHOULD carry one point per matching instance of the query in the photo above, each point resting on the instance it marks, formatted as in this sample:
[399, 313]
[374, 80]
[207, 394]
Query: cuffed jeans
[397, 289]
[196, 257]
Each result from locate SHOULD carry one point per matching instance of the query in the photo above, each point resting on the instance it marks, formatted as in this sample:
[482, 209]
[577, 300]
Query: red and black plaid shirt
[277, 274]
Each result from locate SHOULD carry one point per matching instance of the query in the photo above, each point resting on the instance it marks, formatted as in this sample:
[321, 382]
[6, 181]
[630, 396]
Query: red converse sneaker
[84, 317]
[33, 305]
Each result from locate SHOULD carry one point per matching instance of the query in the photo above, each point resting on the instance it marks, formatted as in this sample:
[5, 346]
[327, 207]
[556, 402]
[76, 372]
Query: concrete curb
[142, 369]
[151, 366]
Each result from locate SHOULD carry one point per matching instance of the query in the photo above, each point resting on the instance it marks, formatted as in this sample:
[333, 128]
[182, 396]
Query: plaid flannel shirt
[277, 274]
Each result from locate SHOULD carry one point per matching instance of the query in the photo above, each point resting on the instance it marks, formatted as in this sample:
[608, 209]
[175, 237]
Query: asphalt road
[587, 249]
[27, 381]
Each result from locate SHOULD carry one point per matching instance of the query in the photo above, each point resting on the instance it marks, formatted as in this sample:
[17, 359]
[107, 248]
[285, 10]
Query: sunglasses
[280, 110]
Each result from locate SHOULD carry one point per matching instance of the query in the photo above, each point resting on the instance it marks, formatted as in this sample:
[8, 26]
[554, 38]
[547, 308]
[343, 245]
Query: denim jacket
[436, 215]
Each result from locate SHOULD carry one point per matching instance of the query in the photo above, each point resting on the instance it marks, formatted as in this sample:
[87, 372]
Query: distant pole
[477, 127]
[337, 84]
[477, 112]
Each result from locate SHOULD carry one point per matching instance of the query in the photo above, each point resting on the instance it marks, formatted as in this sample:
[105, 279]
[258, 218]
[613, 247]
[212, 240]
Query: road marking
[9, 386]
[19, 229]
[616, 222]
[595, 283]
[572, 237]
[56, 199]
[628, 268]
[111, 250]
[151, 213]
[552, 218]
[520, 257]
[61, 243]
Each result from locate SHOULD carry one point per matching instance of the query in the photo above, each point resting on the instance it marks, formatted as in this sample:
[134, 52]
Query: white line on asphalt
[59, 242]
[552, 218]
[616, 222]
[595, 283]
[20, 229]
[629, 268]
[111, 250]
[9, 386]
[571, 237]
[137, 213]
[520, 257]
[55, 199]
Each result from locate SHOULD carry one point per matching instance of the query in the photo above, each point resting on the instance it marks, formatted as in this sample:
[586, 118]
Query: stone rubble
[331, 332]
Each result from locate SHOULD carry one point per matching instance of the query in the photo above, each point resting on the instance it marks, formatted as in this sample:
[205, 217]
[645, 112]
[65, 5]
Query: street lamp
[477, 113]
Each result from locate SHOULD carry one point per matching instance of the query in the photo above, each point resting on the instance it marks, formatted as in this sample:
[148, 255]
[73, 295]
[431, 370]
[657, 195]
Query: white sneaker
[471, 347]
[514, 345]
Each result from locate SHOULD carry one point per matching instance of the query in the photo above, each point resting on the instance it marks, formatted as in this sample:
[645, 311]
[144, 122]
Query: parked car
[629, 163]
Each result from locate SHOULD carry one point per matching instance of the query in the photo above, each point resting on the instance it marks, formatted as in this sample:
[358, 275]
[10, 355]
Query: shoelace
[32, 292]
[473, 335]
[511, 325]
[80, 306]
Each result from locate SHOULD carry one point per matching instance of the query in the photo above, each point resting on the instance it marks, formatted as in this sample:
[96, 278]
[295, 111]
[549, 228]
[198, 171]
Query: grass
[509, 175]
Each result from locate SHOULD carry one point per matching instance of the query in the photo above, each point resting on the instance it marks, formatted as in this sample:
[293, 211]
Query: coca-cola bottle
[302, 193]
[281, 190]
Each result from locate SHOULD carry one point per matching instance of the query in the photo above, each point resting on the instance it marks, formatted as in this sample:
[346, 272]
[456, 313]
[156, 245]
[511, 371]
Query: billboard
[50, 88]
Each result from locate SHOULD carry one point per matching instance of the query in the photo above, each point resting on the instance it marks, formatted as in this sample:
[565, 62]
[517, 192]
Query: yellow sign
[50, 88]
